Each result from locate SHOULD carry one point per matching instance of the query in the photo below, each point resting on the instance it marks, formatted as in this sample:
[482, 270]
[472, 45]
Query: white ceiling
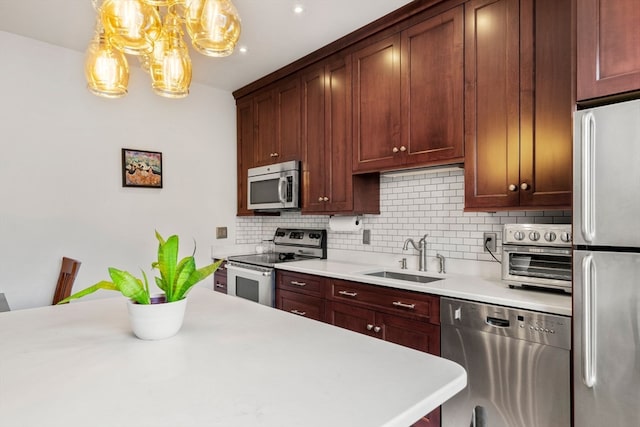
[273, 34]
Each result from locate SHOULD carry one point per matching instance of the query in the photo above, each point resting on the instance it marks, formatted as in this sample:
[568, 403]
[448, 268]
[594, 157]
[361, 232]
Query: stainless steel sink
[403, 276]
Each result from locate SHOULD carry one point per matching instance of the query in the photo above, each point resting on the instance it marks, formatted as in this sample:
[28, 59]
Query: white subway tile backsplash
[410, 206]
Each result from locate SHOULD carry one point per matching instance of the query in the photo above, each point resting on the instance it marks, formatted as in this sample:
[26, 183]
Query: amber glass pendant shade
[130, 25]
[214, 26]
[106, 69]
[170, 65]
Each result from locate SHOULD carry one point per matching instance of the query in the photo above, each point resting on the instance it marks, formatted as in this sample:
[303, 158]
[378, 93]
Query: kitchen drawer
[303, 283]
[300, 304]
[394, 301]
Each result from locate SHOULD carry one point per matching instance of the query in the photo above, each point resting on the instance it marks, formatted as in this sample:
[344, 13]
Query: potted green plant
[156, 316]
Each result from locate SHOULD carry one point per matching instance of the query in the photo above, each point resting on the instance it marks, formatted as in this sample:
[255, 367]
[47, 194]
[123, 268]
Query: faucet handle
[403, 263]
[424, 238]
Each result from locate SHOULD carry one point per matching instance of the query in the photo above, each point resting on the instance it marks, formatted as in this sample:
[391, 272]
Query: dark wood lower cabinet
[220, 279]
[410, 319]
[301, 304]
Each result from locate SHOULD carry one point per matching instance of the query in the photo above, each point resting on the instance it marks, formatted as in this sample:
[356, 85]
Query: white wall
[60, 171]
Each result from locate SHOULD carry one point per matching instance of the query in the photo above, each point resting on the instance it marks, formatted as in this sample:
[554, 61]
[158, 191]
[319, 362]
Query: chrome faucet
[441, 260]
[421, 247]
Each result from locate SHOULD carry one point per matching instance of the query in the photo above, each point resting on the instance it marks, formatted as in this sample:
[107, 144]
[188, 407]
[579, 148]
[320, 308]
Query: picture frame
[141, 168]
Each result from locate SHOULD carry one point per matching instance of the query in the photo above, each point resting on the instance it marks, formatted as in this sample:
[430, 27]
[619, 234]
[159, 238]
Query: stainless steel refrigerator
[606, 265]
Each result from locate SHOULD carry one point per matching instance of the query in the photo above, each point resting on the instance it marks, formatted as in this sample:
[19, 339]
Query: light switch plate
[221, 232]
[366, 237]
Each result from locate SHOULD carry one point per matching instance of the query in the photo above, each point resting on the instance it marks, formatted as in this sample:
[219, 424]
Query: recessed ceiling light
[298, 9]
[242, 49]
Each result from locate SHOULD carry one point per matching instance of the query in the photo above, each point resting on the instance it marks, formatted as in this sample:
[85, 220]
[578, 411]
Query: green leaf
[197, 276]
[91, 289]
[166, 264]
[184, 271]
[129, 286]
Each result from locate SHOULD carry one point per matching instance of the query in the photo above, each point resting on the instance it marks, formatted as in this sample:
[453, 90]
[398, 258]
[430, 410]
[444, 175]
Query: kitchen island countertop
[234, 363]
[452, 285]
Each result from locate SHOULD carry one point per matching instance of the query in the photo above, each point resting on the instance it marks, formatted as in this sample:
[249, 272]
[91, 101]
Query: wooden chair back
[68, 273]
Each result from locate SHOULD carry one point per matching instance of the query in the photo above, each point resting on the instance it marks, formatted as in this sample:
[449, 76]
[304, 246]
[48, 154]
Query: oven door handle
[252, 270]
[537, 250]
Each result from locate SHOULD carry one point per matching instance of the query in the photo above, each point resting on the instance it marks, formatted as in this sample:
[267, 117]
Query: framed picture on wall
[141, 168]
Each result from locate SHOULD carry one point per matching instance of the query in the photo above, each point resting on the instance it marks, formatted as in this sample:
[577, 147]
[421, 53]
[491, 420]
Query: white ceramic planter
[156, 321]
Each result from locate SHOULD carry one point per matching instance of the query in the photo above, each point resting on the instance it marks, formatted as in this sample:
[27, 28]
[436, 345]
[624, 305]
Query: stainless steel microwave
[274, 187]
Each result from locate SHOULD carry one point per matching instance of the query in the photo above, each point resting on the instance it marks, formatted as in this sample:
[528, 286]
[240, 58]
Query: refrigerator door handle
[587, 175]
[588, 322]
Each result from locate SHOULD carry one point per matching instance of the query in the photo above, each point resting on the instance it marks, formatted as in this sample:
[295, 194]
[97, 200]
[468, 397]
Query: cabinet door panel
[608, 45]
[492, 154]
[313, 128]
[546, 136]
[410, 333]
[376, 105]
[245, 160]
[264, 106]
[288, 116]
[349, 317]
[432, 86]
[339, 184]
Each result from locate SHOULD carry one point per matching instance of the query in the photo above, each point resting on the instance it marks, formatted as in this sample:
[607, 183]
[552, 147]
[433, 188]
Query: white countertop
[234, 364]
[453, 285]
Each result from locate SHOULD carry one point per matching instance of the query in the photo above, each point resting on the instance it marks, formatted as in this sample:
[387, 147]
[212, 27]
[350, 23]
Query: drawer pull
[348, 294]
[299, 313]
[404, 305]
[293, 282]
[377, 329]
[219, 285]
[369, 326]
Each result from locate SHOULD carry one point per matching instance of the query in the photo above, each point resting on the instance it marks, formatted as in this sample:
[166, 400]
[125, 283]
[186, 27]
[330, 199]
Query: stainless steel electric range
[252, 276]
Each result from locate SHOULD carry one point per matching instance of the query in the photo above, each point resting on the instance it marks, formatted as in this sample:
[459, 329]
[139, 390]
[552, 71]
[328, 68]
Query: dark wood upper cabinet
[519, 104]
[408, 96]
[277, 121]
[328, 184]
[245, 135]
[608, 45]
[432, 83]
[376, 105]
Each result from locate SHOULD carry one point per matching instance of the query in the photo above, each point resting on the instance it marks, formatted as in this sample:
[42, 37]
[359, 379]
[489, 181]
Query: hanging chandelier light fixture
[152, 31]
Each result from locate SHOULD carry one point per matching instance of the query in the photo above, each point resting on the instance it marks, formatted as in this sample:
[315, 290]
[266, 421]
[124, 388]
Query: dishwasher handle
[497, 322]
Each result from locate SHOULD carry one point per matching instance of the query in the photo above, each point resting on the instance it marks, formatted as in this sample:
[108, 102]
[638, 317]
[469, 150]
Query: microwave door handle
[282, 186]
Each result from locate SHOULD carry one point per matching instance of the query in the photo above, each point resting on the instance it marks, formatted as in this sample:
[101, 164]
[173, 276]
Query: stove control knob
[518, 235]
[565, 237]
[534, 235]
[550, 236]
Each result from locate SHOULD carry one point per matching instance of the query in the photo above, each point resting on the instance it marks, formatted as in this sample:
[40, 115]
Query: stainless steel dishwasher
[517, 362]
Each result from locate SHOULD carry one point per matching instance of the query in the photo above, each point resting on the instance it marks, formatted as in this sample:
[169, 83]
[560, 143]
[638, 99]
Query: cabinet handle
[275, 154]
[320, 199]
[348, 294]
[403, 148]
[404, 305]
[525, 186]
[395, 149]
[513, 187]
[299, 313]
[294, 282]
[326, 199]
[377, 329]
[369, 326]
[218, 285]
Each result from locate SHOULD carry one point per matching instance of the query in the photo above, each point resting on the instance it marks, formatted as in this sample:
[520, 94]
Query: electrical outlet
[366, 237]
[489, 242]
[221, 232]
